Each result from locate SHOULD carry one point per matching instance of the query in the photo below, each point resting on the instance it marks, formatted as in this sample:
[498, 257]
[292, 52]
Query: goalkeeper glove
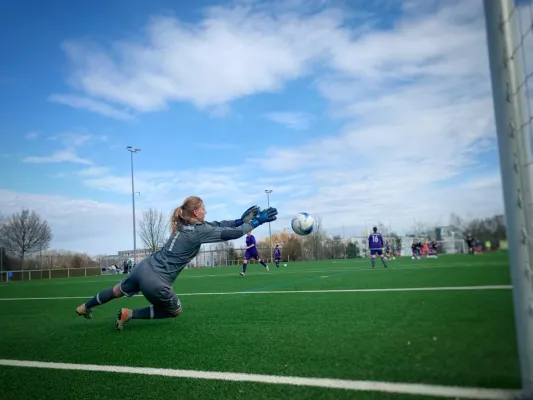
[247, 215]
[267, 215]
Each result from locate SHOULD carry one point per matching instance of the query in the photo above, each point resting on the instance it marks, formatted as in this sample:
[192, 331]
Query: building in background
[128, 254]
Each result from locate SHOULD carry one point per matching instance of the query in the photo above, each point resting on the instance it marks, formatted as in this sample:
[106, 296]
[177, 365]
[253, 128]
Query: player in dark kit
[415, 251]
[433, 249]
[470, 243]
[251, 252]
[388, 251]
[155, 275]
[375, 244]
[277, 255]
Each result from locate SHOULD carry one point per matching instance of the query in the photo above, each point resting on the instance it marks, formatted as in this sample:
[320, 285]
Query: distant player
[251, 252]
[470, 241]
[425, 249]
[277, 255]
[415, 251]
[155, 274]
[388, 252]
[375, 244]
[433, 249]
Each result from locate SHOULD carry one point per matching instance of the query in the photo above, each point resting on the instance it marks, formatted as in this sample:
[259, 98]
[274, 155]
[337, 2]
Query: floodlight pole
[268, 191]
[133, 150]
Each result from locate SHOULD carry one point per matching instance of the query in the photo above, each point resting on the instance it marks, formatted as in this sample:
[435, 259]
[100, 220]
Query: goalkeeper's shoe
[85, 312]
[123, 316]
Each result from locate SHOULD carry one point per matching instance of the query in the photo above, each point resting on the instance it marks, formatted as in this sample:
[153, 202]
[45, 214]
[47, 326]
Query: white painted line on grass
[414, 289]
[375, 386]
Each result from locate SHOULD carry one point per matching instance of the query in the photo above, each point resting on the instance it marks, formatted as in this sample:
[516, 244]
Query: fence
[325, 250]
[39, 274]
[328, 249]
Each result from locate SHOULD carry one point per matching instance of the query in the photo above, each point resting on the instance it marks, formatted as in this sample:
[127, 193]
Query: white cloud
[217, 146]
[93, 171]
[61, 156]
[97, 227]
[32, 135]
[71, 141]
[414, 100]
[232, 53]
[415, 116]
[220, 111]
[96, 106]
[77, 224]
[156, 187]
[77, 139]
[292, 120]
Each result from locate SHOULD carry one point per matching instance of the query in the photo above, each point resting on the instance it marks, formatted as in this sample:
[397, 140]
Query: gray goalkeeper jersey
[185, 244]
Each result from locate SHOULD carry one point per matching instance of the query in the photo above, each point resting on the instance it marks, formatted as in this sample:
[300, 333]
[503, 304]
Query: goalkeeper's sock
[150, 312]
[101, 298]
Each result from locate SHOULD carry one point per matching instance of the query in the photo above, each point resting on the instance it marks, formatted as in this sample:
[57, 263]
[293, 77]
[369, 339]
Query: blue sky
[357, 112]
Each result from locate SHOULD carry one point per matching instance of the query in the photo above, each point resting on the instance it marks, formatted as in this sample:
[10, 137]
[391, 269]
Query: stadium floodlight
[133, 150]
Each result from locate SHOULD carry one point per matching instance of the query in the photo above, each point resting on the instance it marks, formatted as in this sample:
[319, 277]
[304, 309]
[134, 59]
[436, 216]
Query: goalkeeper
[155, 275]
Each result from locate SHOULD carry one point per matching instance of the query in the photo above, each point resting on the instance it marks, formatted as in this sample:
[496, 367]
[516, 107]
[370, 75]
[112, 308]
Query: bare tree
[153, 229]
[224, 253]
[25, 233]
[314, 243]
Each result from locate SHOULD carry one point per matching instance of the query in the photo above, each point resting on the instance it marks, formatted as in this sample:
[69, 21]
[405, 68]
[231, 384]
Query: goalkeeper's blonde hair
[184, 214]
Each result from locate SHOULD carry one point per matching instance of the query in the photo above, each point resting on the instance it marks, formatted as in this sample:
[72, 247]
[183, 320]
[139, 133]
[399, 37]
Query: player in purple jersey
[277, 255]
[433, 249]
[154, 276]
[375, 244]
[251, 252]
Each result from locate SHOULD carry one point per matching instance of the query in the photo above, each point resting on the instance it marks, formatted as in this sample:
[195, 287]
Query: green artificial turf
[464, 338]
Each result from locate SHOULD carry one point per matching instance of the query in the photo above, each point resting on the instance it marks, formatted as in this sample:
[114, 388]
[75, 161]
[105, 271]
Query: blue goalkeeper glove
[267, 215]
[247, 216]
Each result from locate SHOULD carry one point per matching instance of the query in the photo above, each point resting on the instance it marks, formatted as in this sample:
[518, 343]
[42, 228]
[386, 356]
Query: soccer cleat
[242, 274]
[82, 311]
[267, 269]
[123, 316]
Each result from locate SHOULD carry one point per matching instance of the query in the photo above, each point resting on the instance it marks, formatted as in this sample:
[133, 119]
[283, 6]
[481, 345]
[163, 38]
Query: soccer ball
[302, 223]
[284, 265]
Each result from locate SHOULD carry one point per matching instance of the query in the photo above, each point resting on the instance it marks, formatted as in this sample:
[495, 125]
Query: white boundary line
[414, 289]
[389, 387]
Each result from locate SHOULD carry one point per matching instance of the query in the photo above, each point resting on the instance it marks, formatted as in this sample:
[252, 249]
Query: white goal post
[509, 29]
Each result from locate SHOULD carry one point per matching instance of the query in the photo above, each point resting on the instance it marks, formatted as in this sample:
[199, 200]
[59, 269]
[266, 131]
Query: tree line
[24, 242]
[319, 245]
[25, 239]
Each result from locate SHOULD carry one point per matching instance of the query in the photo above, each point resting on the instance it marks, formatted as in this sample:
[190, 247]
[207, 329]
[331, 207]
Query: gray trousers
[157, 291]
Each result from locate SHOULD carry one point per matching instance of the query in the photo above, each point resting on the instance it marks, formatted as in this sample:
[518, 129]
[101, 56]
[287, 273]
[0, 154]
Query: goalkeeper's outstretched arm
[247, 216]
[213, 232]
[210, 232]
